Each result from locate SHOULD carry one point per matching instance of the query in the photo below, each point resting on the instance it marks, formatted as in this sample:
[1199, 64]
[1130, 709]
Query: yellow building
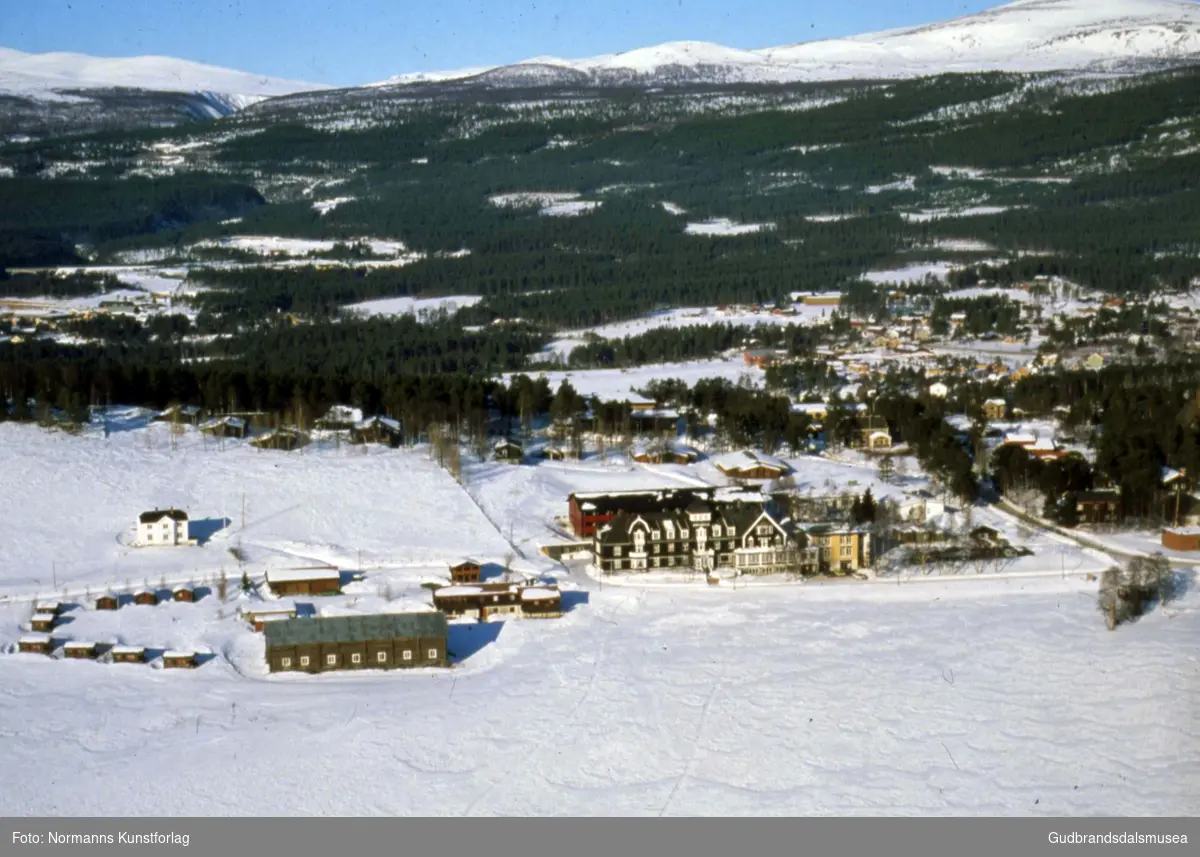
[843, 549]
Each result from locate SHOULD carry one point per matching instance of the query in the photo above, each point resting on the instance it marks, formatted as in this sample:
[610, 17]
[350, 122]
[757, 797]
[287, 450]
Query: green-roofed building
[381, 641]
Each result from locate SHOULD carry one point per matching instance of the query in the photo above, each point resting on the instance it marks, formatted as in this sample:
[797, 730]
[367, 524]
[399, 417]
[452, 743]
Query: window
[286, 663]
[716, 529]
[149, 537]
[671, 547]
[407, 654]
[304, 660]
[433, 654]
[381, 657]
[656, 535]
[331, 660]
[683, 534]
[617, 550]
[356, 658]
[495, 598]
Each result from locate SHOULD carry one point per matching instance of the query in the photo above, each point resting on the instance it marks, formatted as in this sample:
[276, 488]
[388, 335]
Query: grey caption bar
[734, 837]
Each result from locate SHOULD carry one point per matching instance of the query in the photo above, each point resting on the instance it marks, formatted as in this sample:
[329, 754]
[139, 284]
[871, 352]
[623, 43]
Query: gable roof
[749, 459]
[356, 629]
[159, 514]
[292, 575]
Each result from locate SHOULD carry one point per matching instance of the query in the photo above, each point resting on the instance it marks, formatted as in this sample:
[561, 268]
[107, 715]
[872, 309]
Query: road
[1006, 508]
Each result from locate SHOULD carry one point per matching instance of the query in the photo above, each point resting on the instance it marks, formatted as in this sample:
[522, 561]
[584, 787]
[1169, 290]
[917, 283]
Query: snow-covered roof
[534, 593]
[386, 422]
[747, 459]
[80, 644]
[999, 402]
[292, 575]
[1170, 475]
[344, 414]
[1023, 438]
[48, 607]
[32, 639]
[458, 590]
[128, 650]
[272, 610]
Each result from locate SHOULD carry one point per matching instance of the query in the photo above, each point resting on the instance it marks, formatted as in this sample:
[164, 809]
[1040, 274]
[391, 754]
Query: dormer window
[656, 535]
[716, 529]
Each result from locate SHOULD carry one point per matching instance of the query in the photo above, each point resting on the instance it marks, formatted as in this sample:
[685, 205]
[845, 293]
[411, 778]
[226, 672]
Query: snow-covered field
[977, 696]
[621, 383]
[684, 317]
[414, 306]
[1005, 698]
[911, 273]
[724, 226]
[319, 504]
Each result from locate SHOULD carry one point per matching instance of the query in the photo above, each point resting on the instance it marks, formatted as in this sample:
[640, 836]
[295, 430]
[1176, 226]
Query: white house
[939, 390]
[163, 527]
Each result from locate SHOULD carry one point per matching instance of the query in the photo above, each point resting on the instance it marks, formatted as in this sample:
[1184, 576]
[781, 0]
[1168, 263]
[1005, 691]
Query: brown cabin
[42, 623]
[385, 641]
[128, 655]
[1099, 507]
[541, 602]
[108, 602]
[48, 608]
[184, 593]
[80, 649]
[467, 571]
[304, 581]
[35, 644]
[146, 596]
[259, 618]
[179, 660]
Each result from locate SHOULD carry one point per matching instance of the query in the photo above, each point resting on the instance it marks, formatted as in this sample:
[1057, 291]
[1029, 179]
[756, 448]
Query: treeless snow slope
[1026, 35]
[70, 504]
[40, 74]
[948, 699]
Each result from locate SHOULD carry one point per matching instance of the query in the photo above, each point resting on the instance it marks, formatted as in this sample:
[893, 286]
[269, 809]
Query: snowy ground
[1006, 698]
[724, 226]
[621, 383]
[684, 317]
[997, 695]
[317, 505]
[414, 306]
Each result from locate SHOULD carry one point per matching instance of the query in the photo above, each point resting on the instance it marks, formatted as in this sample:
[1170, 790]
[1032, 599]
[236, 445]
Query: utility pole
[243, 510]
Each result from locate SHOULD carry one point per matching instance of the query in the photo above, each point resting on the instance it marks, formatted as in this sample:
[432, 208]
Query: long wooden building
[382, 641]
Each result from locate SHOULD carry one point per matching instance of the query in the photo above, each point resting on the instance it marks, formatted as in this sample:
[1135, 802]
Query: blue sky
[360, 41]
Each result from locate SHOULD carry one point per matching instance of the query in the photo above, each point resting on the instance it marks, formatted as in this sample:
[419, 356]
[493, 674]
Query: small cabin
[146, 596]
[42, 623]
[465, 571]
[258, 617]
[541, 602]
[108, 601]
[508, 451]
[304, 581]
[35, 644]
[48, 608]
[80, 649]
[184, 593]
[285, 439]
[179, 660]
[128, 655]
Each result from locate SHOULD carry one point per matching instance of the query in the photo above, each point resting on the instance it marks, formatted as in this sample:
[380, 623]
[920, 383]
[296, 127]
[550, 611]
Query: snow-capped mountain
[45, 76]
[1022, 36]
